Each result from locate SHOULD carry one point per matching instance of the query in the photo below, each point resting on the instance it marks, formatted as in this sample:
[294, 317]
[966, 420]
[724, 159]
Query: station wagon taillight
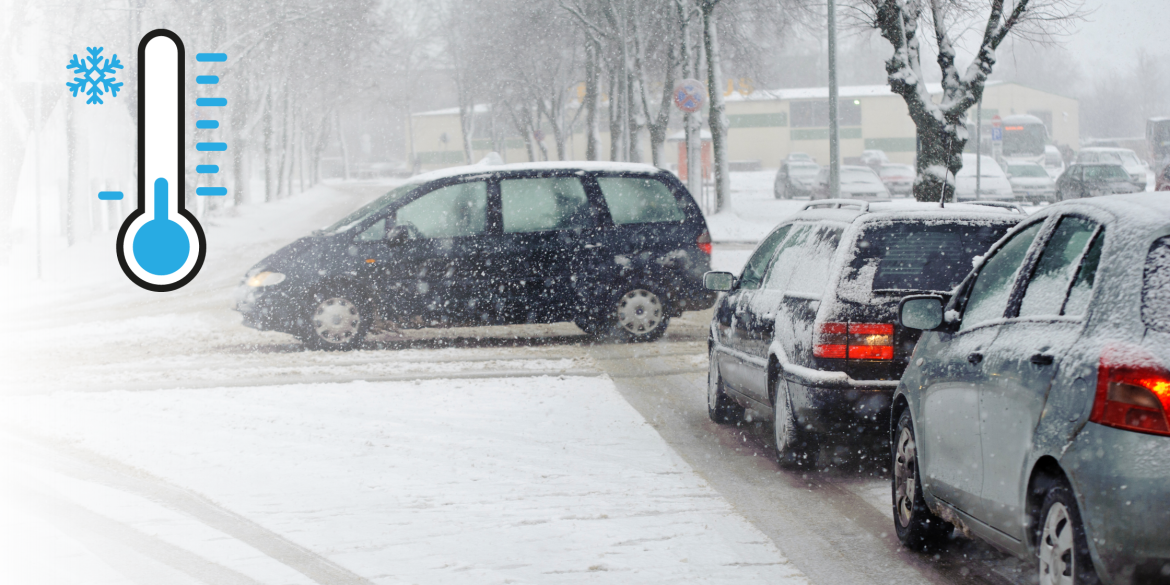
[704, 242]
[855, 341]
[1133, 392]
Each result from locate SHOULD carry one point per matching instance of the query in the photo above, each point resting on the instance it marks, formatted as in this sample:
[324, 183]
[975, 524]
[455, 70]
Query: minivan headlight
[265, 278]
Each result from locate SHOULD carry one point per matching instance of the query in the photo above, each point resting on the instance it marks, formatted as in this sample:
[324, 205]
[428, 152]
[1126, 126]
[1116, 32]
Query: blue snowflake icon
[92, 72]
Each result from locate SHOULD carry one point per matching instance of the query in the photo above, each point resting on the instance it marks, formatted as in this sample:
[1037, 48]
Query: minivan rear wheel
[1063, 548]
[917, 527]
[636, 314]
[338, 320]
[721, 408]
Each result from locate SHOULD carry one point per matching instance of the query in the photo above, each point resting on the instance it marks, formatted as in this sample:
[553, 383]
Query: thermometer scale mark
[161, 245]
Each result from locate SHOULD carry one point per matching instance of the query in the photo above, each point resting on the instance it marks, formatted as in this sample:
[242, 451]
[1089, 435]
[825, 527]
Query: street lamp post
[834, 134]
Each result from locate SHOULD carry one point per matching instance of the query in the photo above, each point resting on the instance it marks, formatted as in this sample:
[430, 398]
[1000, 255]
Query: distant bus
[1158, 138]
[1024, 138]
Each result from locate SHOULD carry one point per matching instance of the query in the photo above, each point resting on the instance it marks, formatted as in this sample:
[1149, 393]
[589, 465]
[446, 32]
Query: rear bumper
[1122, 480]
[863, 409]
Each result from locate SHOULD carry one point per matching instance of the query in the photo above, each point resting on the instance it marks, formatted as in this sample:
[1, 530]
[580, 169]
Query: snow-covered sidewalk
[539, 480]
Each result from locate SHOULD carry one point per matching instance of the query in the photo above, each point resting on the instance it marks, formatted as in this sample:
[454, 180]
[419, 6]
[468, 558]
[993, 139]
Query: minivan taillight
[1133, 392]
[704, 242]
[856, 341]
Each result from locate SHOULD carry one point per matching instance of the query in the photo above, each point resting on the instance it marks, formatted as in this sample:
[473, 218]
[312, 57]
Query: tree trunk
[466, 119]
[717, 120]
[615, 117]
[269, 172]
[592, 99]
[341, 141]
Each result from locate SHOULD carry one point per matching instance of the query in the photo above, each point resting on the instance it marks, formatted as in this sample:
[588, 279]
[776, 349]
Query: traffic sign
[689, 95]
[996, 134]
[996, 121]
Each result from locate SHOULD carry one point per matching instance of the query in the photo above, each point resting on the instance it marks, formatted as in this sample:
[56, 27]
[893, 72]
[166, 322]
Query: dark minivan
[808, 334]
[618, 249]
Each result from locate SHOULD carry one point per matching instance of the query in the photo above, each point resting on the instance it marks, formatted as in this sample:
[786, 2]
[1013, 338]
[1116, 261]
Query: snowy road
[152, 439]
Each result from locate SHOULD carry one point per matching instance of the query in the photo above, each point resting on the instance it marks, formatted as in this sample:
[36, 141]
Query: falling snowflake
[90, 71]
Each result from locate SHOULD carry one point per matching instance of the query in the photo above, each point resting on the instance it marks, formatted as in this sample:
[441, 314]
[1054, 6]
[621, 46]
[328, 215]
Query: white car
[1116, 156]
[1030, 182]
[993, 184]
[857, 182]
[1053, 161]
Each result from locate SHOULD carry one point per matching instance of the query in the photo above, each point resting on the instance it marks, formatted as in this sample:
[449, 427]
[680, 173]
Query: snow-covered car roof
[904, 209]
[482, 167]
[1148, 208]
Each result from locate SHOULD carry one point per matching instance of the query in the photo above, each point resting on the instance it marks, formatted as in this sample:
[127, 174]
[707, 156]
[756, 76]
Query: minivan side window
[447, 212]
[634, 200]
[989, 294]
[1049, 286]
[757, 265]
[544, 204]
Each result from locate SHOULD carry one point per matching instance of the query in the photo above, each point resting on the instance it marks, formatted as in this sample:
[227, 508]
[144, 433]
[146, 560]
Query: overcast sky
[1116, 29]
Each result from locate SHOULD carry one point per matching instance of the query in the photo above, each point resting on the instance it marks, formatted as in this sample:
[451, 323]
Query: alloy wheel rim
[639, 311]
[904, 477]
[1057, 558]
[336, 320]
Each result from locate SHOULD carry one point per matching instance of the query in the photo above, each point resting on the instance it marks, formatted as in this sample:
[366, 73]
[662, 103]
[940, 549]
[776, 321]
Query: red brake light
[830, 340]
[1133, 392]
[858, 341]
[704, 242]
[871, 341]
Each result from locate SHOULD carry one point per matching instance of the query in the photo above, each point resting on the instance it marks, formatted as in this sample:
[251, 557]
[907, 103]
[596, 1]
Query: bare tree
[941, 126]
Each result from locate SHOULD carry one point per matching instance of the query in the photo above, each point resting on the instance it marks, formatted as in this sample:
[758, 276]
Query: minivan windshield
[917, 255]
[1027, 171]
[370, 209]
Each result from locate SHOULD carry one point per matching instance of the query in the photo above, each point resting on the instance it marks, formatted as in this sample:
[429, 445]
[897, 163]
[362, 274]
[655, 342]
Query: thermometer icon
[161, 245]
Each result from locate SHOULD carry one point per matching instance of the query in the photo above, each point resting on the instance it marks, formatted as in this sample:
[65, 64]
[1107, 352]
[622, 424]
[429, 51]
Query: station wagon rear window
[920, 256]
[634, 200]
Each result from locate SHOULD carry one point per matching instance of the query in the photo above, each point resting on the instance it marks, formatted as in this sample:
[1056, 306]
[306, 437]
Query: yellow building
[766, 125]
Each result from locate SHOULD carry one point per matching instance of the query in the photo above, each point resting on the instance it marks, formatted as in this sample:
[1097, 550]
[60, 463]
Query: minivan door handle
[974, 358]
[1042, 359]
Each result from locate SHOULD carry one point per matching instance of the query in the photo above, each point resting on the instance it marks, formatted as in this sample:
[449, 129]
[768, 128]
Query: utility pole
[979, 149]
[834, 134]
[37, 168]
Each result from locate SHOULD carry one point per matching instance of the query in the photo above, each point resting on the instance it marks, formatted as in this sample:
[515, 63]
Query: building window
[815, 113]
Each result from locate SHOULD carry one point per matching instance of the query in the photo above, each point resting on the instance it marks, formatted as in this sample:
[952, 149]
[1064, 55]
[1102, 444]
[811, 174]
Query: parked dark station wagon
[618, 249]
[807, 335]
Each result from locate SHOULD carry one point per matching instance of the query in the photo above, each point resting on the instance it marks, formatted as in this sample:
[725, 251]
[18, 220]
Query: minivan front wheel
[338, 320]
[1064, 550]
[917, 527]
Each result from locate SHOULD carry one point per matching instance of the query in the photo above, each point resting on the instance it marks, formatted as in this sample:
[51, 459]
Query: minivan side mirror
[923, 312]
[396, 235]
[719, 281]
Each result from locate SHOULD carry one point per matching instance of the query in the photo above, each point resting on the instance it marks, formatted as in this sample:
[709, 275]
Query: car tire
[721, 408]
[795, 447]
[1063, 549]
[916, 526]
[337, 319]
[637, 313]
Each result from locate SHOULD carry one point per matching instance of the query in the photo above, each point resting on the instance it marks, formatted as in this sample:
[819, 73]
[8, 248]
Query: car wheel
[639, 314]
[1063, 548]
[721, 408]
[795, 447]
[338, 320]
[917, 527]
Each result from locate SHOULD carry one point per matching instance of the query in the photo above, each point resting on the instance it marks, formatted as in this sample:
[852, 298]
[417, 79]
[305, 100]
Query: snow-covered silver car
[992, 184]
[1035, 410]
[1030, 182]
[1116, 156]
[857, 182]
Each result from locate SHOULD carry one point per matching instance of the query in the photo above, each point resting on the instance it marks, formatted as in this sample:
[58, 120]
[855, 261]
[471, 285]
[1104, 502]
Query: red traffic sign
[996, 121]
[538, 135]
[689, 95]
